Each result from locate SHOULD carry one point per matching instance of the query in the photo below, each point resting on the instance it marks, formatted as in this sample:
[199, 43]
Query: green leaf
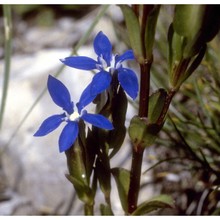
[89, 145]
[161, 201]
[187, 19]
[116, 139]
[198, 23]
[134, 32]
[176, 43]
[106, 210]
[142, 133]
[195, 63]
[103, 172]
[150, 30]
[75, 162]
[77, 173]
[119, 108]
[156, 104]
[122, 178]
[84, 193]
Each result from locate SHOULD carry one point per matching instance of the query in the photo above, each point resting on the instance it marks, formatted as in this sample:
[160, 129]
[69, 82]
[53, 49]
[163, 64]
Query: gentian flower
[61, 96]
[107, 64]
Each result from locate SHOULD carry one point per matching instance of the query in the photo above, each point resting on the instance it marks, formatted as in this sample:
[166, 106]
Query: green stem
[135, 175]
[144, 88]
[8, 47]
[88, 209]
[137, 156]
[138, 151]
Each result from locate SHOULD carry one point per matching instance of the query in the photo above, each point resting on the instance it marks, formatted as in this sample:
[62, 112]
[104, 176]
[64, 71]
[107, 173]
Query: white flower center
[74, 116]
[104, 65]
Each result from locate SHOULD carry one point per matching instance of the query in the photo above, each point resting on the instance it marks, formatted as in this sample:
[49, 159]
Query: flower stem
[137, 154]
[88, 209]
[135, 178]
[144, 88]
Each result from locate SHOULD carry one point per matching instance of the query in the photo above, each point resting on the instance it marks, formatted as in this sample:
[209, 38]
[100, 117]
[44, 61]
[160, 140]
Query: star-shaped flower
[61, 96]
[107, 64]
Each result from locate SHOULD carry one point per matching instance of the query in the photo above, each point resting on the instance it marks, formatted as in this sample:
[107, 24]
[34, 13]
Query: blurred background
[185, 161]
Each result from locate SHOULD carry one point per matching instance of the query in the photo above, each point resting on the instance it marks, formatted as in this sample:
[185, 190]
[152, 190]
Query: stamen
[103, 63]
[74, 116]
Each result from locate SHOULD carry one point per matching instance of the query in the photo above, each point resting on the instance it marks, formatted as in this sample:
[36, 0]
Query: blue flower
[107, 64]
[61, 96]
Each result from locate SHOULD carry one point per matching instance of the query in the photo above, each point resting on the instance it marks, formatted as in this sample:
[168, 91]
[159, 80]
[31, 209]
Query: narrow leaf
[122, 178]
[150, 30]
[134, 32]
[156, 104]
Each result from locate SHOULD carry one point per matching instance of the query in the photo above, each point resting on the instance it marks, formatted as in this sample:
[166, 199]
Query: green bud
[198, 23]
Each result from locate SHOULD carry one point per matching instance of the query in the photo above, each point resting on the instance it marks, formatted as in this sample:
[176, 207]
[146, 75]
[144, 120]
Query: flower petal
[100, 82]
[128, 81]
[97, 120]
[127, 55]
[60, 94]
[68, 136]
[103, 46]
[50, 124]
[85, 98]
[80, 62]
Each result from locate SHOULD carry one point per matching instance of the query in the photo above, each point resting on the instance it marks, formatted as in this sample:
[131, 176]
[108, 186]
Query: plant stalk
[7, 51]
[88, 210]
[135, 177]
[138, 151]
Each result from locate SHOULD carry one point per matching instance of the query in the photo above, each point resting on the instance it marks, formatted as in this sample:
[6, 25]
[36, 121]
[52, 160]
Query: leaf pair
[142, 131]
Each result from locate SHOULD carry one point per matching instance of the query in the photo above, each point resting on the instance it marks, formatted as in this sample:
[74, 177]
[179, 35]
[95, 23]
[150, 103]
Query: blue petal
[128, 55]
[50, 124]
[60, 94]
[68, 136]
[97, 120]
[80, 62]
[128, 81]
[86, 98]
[100, 82]
[103, 46]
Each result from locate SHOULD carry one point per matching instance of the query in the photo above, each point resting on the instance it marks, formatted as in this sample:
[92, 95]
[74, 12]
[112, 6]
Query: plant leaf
[84, 193]
[134, 32]
[198, 23]
[119, 108]
[142, 133]
[161, 201]
[150, 30]
[106, 210]
[122, 178]
[156, 104]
